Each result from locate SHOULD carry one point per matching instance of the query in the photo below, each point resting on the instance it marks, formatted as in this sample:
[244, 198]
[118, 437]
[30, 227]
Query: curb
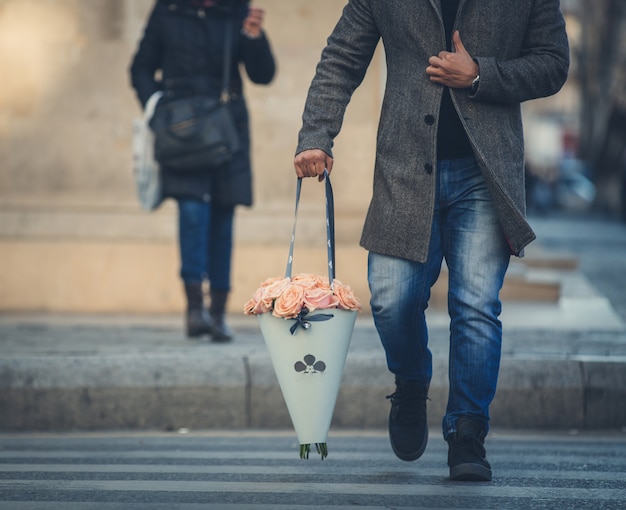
[185, 391]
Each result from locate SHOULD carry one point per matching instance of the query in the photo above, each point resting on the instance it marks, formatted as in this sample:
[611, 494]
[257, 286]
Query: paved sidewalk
[563, 366]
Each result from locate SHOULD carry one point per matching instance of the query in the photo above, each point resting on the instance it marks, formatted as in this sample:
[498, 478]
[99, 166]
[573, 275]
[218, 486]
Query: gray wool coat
[522, 49]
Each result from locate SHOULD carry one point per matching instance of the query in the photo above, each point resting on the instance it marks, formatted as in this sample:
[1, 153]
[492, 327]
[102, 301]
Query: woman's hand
[253, 24]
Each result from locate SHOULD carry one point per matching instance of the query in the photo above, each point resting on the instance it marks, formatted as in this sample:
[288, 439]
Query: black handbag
[197, 132]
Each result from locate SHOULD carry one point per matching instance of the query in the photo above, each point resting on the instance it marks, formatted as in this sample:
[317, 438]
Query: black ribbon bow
[305, 322]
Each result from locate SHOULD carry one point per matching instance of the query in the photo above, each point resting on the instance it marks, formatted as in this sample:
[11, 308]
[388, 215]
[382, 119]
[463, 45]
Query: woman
[182, 54]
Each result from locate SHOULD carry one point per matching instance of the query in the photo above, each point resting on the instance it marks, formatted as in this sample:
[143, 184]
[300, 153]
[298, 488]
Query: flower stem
[305, 449]
[322, 450]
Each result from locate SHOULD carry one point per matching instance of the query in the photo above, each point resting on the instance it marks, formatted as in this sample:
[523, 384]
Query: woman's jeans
[465, 233]
[206, 242]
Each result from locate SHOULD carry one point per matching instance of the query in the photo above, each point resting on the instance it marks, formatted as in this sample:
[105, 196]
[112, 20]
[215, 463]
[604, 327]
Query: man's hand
[312, 162]
[456, 70]
[253, 24]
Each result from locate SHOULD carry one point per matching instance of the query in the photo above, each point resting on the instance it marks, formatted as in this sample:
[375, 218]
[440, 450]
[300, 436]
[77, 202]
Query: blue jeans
[465, 233]
[206, 242]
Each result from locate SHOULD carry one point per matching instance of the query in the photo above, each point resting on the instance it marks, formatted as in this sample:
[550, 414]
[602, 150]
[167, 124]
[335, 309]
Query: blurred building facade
[602, 82]
[72, 235]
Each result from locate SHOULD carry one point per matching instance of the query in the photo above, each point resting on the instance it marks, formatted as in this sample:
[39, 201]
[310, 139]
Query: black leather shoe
[466, 452]
[408, 427]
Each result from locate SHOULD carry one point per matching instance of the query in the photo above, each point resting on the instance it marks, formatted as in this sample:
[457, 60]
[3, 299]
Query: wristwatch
[475, 83]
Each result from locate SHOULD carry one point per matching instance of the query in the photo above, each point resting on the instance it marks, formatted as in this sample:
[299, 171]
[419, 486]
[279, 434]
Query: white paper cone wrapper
[309, 366]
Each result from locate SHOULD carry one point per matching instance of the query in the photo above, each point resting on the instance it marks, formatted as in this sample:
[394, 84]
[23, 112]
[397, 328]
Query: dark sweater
[452, 141]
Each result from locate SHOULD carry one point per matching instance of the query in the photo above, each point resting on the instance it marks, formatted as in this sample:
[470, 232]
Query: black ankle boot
[220, 331]
[197, 319]
[408, 427]
[466, 452]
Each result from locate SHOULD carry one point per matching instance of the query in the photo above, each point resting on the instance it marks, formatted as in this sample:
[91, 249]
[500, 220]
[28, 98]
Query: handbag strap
[330, 229]
[148, 111]
[225, 94]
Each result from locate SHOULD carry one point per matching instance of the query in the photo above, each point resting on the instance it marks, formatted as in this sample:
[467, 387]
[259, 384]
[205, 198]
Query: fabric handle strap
[330, 229]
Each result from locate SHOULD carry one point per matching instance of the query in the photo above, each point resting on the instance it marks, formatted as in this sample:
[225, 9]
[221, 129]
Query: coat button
[428, 168]
[429, 119]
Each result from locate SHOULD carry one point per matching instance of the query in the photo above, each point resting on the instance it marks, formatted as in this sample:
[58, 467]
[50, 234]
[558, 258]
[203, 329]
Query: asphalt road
[262, 471]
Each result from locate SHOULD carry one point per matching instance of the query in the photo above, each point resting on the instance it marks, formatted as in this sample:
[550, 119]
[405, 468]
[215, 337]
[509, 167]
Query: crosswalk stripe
[317, 488]
[343, 456]
[327, 469]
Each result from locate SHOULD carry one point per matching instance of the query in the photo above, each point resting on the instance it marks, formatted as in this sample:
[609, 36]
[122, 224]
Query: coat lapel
[436, 5]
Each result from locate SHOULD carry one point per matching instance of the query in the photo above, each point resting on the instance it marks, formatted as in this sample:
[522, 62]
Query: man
[448, 184]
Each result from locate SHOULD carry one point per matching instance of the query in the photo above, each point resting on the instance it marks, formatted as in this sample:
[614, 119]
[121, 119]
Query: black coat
[182, 53]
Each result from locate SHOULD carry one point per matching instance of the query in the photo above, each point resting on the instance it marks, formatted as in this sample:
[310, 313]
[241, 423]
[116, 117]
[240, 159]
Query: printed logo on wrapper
[310, 365]
[307, 328]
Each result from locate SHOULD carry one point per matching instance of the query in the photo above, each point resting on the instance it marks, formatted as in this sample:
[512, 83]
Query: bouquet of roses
[295, 297]
[309, 369]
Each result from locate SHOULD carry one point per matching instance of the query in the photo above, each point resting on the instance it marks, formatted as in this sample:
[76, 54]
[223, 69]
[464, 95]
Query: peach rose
[263, 299]
[324, 281]
[289, 303]
[273, 286]
[319, 298]
[256, 305]
[272, 289]
[251, 304]
[346, 298]
[307, 281]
